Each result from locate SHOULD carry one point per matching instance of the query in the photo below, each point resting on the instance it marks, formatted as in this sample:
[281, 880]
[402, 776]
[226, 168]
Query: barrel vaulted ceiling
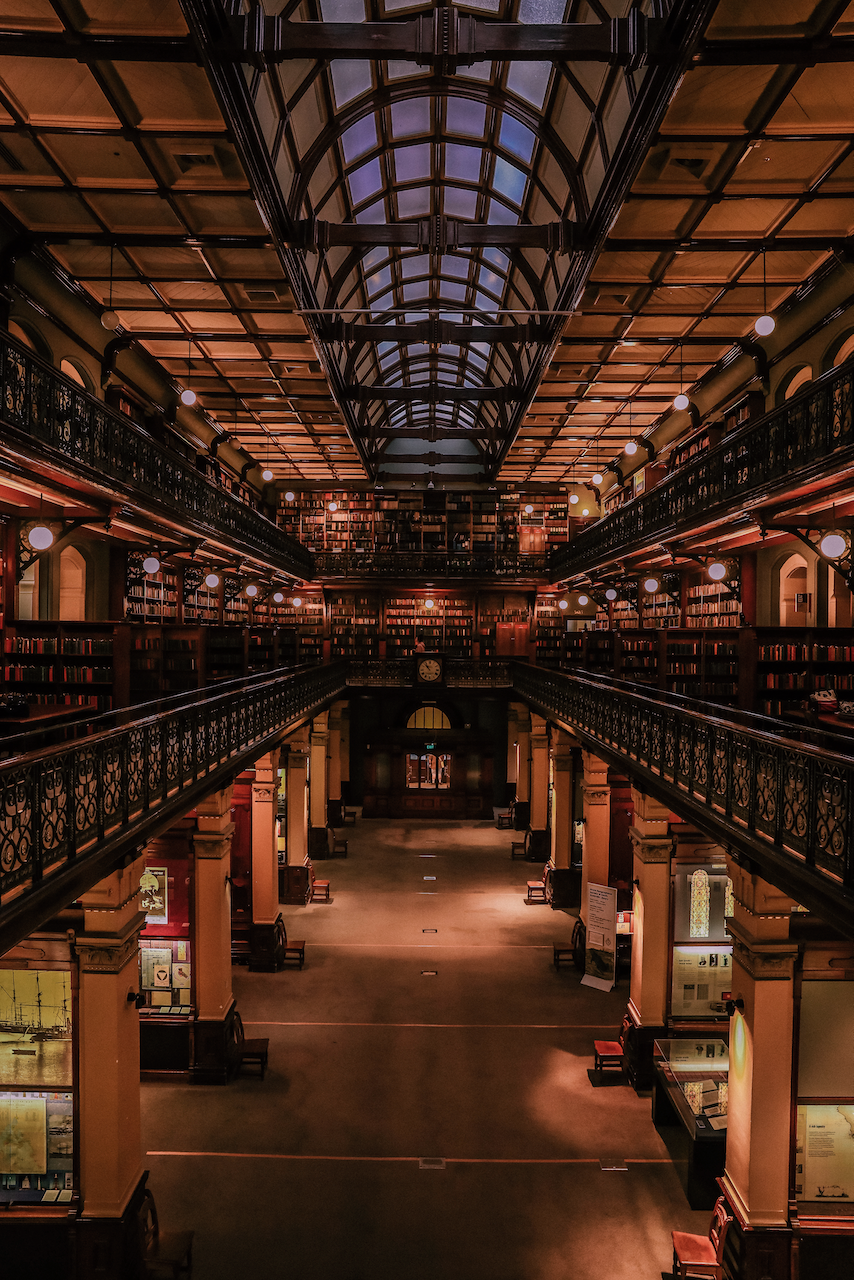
[483, 242]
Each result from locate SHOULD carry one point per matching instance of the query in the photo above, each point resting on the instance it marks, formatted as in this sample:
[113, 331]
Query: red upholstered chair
[702, 1255]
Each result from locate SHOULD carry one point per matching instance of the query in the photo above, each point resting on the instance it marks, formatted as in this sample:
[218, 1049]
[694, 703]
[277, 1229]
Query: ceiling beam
[449, 39]
[796, 52]
[431, 394]
[436, 331]
[439, 235]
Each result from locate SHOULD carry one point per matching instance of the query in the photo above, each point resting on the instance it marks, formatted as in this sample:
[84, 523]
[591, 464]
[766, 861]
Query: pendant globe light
[765, 324]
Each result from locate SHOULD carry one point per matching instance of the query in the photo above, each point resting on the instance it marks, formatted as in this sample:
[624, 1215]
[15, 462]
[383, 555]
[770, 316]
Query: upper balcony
[70, 436]
[758, 473]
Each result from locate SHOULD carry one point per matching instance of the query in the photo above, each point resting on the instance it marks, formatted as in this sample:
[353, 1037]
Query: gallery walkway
[397, 1044]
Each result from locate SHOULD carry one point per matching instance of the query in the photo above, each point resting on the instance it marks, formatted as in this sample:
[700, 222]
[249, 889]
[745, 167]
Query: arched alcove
[29, 337]
[794, 595]
[71, 369]
[839, 351]
[72, 586]
[793, 382]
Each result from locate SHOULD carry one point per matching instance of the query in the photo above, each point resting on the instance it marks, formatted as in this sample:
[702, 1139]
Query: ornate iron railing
[430, 564]
[804, 436]
[793, 799]
[79, 432]
[459, 673]
[59, 805]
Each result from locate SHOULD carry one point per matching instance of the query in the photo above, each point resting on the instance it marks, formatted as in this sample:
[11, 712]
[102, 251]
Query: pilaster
[597, 825]
[213, 1058]
[266, 952]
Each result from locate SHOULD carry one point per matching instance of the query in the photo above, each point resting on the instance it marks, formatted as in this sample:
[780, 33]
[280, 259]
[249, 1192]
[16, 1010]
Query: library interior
[426, 463]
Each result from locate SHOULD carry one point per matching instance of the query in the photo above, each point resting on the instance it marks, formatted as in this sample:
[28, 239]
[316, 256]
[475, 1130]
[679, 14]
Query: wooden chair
[563, 955]
[319, 888]
[292, 950]
[349, 817]
[519, 849]
[335, 844]
[610, 1053]
[504, 819]
[253, 1052]
[170, 1251]
[537, 888]
[702, 1255]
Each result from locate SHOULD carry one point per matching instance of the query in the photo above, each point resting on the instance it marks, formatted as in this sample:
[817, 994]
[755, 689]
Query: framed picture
[153, 895]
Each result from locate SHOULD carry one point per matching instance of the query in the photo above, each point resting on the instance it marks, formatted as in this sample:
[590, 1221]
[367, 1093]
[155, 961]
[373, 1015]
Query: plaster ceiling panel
[695, 266]
[769, 167]
[42, 210]
[845, 25]
[174, 260]
[586, 325]
[52, 92]
[125, 293]
[245, 264]
[163, 95]
[149, 321]
[841, 179]
[202, 162]
[141, 212]
[668, 299]
[819, 102]
[717, 100]
[680, 167]
[84, 260]
[219, 215]
[207, 321]
[743, 218]
[831, 217]
[790, 265]
[639, 268]
[177, 293]
[735, 20]
[647, 217]
[141, 18]
[30, 15]
[22, 162]
[99, 160]
[666, 325]
[278, 322]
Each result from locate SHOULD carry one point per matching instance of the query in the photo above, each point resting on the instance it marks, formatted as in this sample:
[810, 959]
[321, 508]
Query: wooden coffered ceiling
[460, 242]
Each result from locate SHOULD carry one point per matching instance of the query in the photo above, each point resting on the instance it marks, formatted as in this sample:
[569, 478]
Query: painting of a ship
[35, 1027]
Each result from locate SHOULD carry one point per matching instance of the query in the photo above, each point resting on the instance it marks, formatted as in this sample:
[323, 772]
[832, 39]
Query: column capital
[650, 851]
[562, 759]
[109, 953]
[264, 791]
[595, 793]
[764, 961]
[213, 845]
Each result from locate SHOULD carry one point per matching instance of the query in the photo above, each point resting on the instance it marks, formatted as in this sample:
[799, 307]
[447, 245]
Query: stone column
[523, 770]
[334, 806]
[297, 791]
[266, 951]
[652, 846]
[756, 1181]
[512, 737]
[213, 1036]
[112, 1179]
[596, 845]
[318, 839]
[538, 849]
[564, 889]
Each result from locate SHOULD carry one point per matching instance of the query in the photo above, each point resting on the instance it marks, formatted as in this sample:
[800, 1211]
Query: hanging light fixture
[428, 604]
[573, 498]
[583, 600]
[278, 597]
[563, 604]
[267, 474]
[212, 580]
[109, 318]
[40, 537]
[631, 448]
[333, 506]
[610, 594]
[151, 563]
[529, 510]
[188, 397]
[289, 495]
[681, 401]
[585, 511]
[252, 590]
[651, 585]
[765, 324]
[597, 478]
[834, 544]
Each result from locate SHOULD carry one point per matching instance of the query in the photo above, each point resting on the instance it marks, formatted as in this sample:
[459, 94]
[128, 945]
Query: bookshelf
[713, 604]
[659, 610]
[182, 659]
[354, 625]
[146, 662]
[226, 653]
[637, 658]
[550, 628]
[151, 597]
[80, 657]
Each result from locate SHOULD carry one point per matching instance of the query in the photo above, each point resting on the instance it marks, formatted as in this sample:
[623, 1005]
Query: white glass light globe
[40, 537]
[610, 594]
[651, 584]
[585, 511]
[266, 474]
[428, 604]
[597, 477]
[277, 597]
[765, 325]
[188, 397]
[212, 580]
[833, 545]
[631, 448]
[297, 601]
[110, 320]
[717, 571]
[573, 498]
[528, 509]
[151, 564]
[681, 401]
[251, 590]
[563, 604]
[333, 506]
[583, 600]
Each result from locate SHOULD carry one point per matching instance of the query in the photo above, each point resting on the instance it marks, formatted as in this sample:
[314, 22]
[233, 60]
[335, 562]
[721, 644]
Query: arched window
[428, 718]
[700, 902]
[794, 382]
[70, 370]
[72, 586]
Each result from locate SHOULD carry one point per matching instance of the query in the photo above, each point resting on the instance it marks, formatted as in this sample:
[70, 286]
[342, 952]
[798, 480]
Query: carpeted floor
[396, 1046]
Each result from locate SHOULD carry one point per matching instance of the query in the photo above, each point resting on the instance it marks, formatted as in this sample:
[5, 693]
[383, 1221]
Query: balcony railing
[458, 673]
[510, 565]
[798, 440]
[785, 803]
[80, 433]
[66, 813]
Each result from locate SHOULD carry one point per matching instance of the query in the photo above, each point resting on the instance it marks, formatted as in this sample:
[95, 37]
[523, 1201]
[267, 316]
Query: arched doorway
[794, 597]
[72, 586]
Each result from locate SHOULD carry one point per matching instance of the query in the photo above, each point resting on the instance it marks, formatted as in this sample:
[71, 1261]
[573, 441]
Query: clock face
[429, 669]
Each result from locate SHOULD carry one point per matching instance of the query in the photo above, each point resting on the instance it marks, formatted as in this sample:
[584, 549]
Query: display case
[37, 1099]
[689, 1108]
[701, 976]
[166, 991]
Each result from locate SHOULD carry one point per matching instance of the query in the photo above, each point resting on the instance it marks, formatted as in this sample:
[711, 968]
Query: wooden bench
[611, 1053]
[292, 950]
[563, 955]
[319, 888]
[249, 1052]
[537, 888]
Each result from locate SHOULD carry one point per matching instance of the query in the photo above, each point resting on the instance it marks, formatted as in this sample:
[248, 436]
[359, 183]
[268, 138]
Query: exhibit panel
[166, 982]
[701, 974]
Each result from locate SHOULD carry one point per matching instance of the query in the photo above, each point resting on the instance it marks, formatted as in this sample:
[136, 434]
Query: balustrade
[509, 565]
[55, 415]
[790, 798]
[806, 433]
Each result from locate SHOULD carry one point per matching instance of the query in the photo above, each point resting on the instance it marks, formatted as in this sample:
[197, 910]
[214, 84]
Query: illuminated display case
[166, 981]
[701, 976]
[689, 1109]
